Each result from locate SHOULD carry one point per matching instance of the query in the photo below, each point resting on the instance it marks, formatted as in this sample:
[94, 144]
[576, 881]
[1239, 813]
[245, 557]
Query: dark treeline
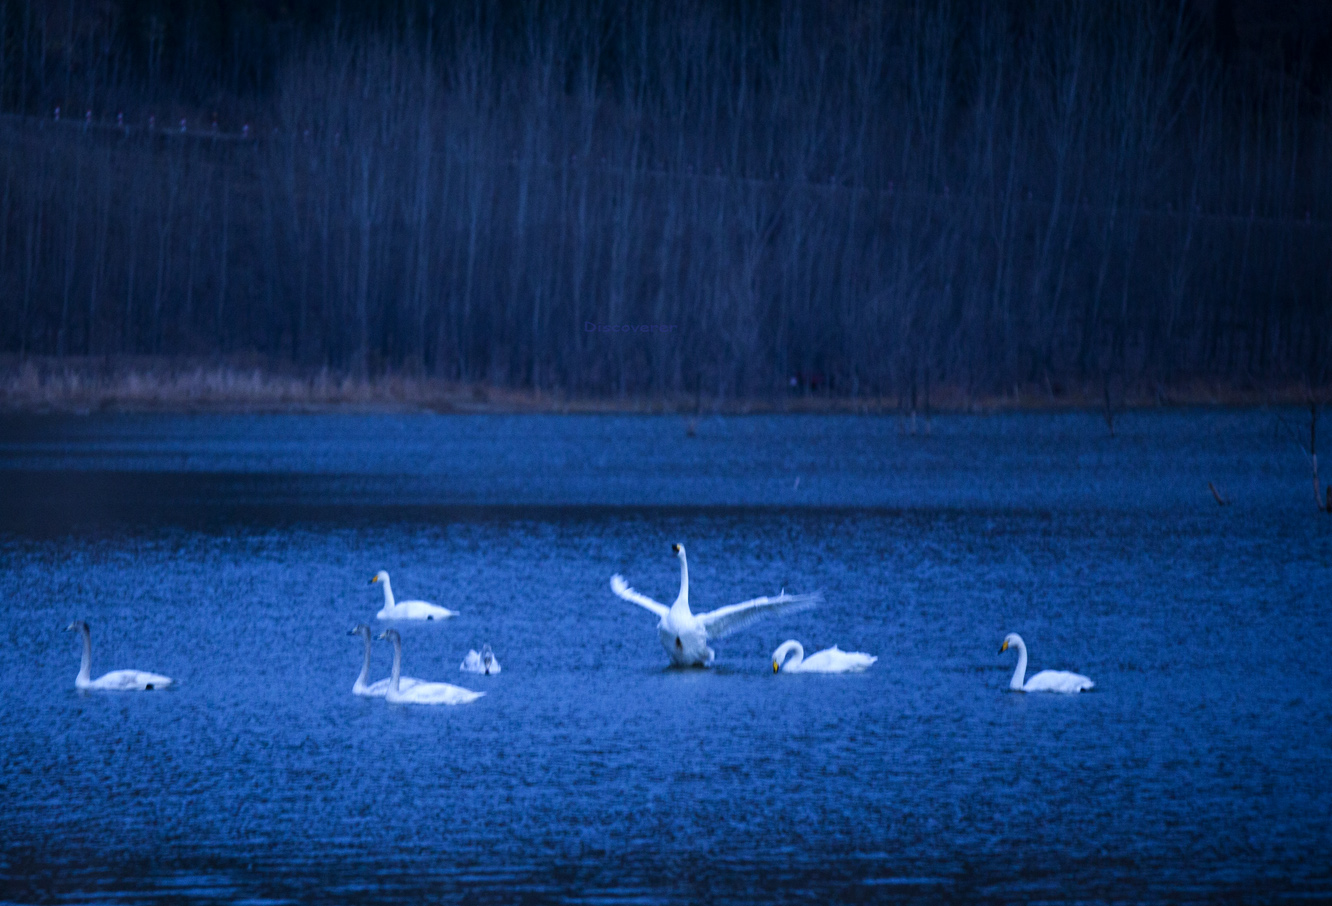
[874, 197]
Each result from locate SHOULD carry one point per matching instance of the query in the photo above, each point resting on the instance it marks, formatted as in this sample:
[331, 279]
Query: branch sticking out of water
[1323, 502]
[1221, 499]
[1108, 409]
[1322, 498]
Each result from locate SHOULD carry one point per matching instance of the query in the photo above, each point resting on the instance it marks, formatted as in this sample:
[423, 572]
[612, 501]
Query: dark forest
[863, 199]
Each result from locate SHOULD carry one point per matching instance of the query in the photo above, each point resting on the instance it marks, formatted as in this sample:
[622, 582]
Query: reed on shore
[155, 384]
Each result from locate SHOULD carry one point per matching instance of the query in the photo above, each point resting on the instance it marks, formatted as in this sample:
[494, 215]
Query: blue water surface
[234, 552]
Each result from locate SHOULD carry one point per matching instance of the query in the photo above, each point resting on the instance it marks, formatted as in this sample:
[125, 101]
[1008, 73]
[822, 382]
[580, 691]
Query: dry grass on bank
[139, 384]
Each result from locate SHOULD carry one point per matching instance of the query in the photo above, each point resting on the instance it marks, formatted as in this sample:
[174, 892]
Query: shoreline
[82, 386]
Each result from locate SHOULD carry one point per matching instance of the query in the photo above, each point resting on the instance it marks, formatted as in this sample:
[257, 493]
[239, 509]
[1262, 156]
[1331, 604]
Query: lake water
[233, 553]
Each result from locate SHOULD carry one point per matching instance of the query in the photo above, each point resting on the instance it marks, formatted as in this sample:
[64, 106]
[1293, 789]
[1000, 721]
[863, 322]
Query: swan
[1046, 680]
[480, 662]
[378, 688]
[685, 635]
[407, 610]
[116, 680]
[422, 693]
[829, 660]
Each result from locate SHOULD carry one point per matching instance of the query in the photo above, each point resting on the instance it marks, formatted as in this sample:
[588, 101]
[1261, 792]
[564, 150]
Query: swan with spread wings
[685, 635]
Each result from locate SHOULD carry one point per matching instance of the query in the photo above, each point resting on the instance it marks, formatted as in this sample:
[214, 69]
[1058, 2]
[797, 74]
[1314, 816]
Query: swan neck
[388, 593]
[1019, 672]
[85, 666]
[682, 600]
[365, 664]
[796, 659]
[397, 665]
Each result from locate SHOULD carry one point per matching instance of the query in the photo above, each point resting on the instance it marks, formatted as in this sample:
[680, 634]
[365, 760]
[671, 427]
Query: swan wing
[423, 610]
[438, 694]
[415, 610]
[835, 660]
[858, 660]
[130, 680]
[379, 688]
[1057, 681]
[725, 620]
[622, 590]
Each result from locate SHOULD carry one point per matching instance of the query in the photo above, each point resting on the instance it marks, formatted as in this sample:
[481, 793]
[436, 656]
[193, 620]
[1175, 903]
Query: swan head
[389, 635]
[678, 550]
[360, 629]
[381, 576]
[1012, 640]
[76, 625]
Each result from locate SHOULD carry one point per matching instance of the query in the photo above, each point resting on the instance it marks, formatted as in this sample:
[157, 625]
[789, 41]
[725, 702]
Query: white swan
[116, 680]
[829, 660]
[482, 661]
[422, 693]
[685, 635]
[379, 688]
[407, 610]
[1046, 680]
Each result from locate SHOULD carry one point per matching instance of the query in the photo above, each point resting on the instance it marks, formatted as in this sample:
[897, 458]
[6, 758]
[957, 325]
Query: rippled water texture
[233, 553]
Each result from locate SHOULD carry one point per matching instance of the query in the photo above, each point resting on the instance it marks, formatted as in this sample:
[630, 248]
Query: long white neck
[397, 665]
[85, 666]
[365, 664]
[1020, 673]
[796, 659]
[388, 593]
[681, 604]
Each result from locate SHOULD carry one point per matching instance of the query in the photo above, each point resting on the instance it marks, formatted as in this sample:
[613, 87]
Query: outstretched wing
[725, 620]
[622, 590]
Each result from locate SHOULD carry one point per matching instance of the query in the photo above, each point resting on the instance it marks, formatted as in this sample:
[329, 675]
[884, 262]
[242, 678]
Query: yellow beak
[774, 667]
[374, 580]
[1003, 647]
